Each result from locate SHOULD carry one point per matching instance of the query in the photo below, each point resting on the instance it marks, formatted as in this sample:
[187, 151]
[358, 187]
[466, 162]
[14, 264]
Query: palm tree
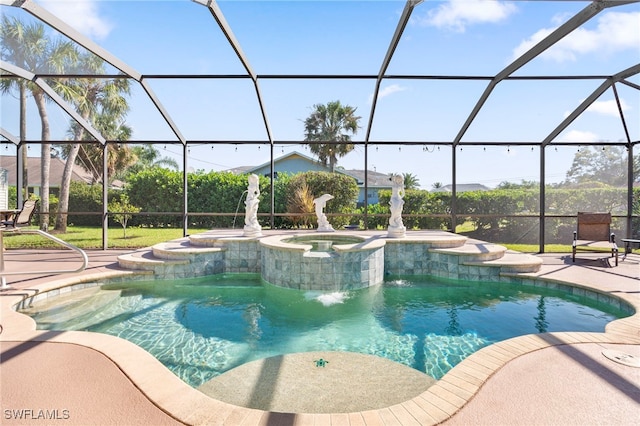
[411, 181]
[11, 40]
[119, 156]
[149, 156]
[332, 124]
[30, 48]
[92, 97]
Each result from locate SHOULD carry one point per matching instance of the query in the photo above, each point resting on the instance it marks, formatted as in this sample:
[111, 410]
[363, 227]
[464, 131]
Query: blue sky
[463, 37]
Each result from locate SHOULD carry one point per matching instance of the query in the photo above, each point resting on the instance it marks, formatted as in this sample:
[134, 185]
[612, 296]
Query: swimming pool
[200, 328]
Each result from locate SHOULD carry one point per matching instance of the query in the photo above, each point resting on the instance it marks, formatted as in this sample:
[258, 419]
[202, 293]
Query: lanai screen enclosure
[534, 96]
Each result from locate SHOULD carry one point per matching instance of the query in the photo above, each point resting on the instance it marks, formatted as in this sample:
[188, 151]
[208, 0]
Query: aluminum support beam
[588, 101]
[217, 14]
[9, 136]
[62, 27]
[576, 21]
[29, 76]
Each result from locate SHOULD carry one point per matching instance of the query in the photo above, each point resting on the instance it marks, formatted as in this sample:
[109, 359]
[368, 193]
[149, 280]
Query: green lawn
[91, 237]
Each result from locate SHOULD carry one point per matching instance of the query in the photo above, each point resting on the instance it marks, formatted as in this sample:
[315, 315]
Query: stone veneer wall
[414, 258]
[242, 256]
[325, 271]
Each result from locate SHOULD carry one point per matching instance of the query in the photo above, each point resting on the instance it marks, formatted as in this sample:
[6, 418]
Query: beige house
[56, 169]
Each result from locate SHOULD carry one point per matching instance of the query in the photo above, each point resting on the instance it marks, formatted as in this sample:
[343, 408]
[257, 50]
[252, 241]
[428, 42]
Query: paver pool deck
[79, 378]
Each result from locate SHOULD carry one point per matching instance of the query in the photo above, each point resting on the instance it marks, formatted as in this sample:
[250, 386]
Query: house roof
[251, 169]
[462, 187]
[375, 179]
[33, 165]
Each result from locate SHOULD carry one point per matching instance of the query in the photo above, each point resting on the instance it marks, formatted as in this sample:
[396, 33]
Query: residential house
[56, 169]
[295, 162]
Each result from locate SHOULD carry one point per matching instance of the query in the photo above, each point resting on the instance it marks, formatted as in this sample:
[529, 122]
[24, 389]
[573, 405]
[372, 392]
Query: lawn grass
[535, 248]
[91, 237]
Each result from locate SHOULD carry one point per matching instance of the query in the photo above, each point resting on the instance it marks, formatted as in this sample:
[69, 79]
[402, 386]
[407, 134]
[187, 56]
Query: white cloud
[82, 15]
[579, 136]
[609, 107]
[614, 31]
[389, 90]
[456, 15]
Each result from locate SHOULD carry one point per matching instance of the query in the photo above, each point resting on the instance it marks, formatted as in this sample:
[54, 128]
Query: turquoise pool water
[200, 328]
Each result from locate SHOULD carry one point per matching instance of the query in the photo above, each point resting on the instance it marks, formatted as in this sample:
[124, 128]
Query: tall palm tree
[333, 124]
[92, 97]
[411, 181]
[29, 47]
[119, 156]
[149, 156]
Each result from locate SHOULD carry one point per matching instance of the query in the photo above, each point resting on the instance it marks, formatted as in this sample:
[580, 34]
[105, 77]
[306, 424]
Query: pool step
[474, 252]
[145, 260]
[181, 250]
[511, 262]
[211, 253]
[75, 306]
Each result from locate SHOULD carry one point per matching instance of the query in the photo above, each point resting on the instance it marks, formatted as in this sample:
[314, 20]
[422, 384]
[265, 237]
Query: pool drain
[622, 358]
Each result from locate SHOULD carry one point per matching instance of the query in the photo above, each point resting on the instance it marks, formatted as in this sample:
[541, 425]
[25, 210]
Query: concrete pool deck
[85, 378]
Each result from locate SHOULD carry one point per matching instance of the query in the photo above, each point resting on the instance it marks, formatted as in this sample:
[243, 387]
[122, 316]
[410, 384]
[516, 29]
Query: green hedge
[160, 190]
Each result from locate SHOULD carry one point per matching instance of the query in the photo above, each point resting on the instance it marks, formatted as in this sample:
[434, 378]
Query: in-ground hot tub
[323, 261]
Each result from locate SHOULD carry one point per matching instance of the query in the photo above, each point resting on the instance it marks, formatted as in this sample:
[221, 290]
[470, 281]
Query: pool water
[200, 328]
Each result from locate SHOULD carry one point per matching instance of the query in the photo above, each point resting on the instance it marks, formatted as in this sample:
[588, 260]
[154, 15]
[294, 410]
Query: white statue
[323, 223]
[252, 227]
[396, 227]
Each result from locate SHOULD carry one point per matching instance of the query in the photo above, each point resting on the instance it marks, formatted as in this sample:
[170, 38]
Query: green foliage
[417, 204]
[157, 190]
[343, 188]
[332, 124]
[216, 200]
[377, 215]
[220, 192]
[84, 199]
[300, 200]
[607, 165]
[411, 181]
[121, 211]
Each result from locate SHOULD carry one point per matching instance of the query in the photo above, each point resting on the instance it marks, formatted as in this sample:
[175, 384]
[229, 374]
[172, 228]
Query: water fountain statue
[252, 227]
[396, 227]
[323, 223]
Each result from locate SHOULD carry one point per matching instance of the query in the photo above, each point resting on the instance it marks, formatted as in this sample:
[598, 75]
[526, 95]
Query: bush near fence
[158, 190]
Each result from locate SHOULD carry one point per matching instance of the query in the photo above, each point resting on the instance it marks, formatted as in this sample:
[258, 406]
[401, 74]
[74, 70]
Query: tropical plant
[300, 201]
[411, 181]
[149, 156]
[29, 47]
[331, 125]
[121, 211]
[100, 102]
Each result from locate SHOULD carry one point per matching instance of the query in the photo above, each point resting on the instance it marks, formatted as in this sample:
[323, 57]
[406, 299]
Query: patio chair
[23, 217]
[594, 234]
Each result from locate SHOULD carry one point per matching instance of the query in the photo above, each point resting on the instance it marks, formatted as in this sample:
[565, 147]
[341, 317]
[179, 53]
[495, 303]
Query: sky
[443, 38]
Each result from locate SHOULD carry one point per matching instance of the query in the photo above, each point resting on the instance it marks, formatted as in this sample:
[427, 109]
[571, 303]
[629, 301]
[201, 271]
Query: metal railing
[3, 274]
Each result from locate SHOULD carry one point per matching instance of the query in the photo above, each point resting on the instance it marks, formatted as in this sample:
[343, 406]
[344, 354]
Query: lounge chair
[23, 217]
[594, 234]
